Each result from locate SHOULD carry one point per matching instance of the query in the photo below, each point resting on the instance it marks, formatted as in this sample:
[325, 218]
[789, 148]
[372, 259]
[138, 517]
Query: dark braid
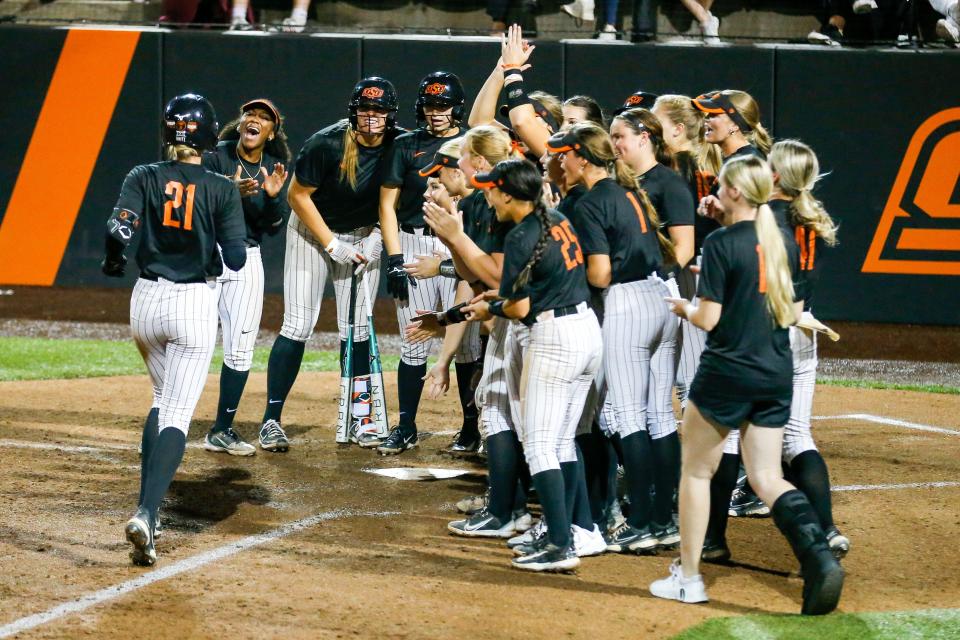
[523, 277]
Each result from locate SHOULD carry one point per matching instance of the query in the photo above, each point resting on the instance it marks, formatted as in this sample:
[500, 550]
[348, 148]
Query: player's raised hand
[273, 183]
[514, 50]
[444, 223]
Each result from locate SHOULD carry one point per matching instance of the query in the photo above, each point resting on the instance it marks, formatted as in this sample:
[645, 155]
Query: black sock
[502, 463]
[361, 357]
[798, 522]
[550, 489]
[596, 459]
[613, 477]
[575, 486]
[467, 402]
[637, 472]
[282, 369]
[148, 441]
[721, 488]
[409, 388]
[164, 461]
[666, 477]
[232, 383]
[810, 475]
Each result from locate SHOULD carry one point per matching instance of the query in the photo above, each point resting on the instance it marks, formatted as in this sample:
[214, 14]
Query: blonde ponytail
[753, 178]
[760, 138]
[351, 158]
[180, 152]
[799, 171]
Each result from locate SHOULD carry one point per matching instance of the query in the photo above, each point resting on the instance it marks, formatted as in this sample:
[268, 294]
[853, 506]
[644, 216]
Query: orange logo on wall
[919, 231]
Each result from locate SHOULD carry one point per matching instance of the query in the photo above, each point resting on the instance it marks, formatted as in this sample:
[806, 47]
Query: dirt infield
[381, 563]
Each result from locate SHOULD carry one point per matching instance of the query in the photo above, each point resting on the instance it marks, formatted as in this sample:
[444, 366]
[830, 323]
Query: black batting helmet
[375, 92]
[190, 120]
[637, 100]
[441, 89]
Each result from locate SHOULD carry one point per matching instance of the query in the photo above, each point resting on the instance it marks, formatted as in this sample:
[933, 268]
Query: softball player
[334, 194]
[253, 151]
[439, 110]
[731, 125]
[544, 286]
[619, 232]
[747, 301]
[185, 211]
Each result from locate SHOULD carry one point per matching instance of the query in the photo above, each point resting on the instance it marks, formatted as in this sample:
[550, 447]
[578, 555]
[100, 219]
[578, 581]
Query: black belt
[144, 276]
[558, 312]
[409, 228]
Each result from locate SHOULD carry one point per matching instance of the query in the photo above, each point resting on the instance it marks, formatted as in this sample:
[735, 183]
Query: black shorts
[732, 412]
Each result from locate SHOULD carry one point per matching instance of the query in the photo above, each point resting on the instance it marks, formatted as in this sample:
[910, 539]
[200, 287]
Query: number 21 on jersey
[176, 190]
[564, 234]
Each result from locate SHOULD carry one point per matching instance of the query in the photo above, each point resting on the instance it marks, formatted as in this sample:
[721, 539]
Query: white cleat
[676, 587]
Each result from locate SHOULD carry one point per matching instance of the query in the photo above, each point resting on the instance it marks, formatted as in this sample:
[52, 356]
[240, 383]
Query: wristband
[496, 309]
[453, 315]
[517, 94]
[513, 71]
[447, 269]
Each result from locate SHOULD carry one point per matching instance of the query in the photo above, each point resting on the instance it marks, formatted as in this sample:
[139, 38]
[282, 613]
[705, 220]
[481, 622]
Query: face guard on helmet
[373, 93]
[442, 90]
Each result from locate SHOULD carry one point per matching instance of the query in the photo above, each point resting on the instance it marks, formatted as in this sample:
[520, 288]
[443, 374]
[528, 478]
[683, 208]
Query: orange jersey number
[564, 234]
[176, 189]
[761, 263]
[807, 241]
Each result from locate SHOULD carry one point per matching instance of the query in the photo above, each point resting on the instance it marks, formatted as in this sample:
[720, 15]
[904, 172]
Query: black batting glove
[397, 278]
[114, 267]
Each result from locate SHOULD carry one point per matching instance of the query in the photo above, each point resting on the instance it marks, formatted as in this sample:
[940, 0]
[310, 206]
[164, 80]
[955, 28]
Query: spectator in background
[709, 23]
[948, 28]
[297, 19]
[833, 22]
[644, 27]
[201, 12]
[497, 10]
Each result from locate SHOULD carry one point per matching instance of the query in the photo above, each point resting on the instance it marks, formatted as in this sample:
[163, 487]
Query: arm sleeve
[713, 272]
[126, 219]
[590, 231]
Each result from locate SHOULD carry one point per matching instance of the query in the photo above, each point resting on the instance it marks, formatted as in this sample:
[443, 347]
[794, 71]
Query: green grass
[50, 359]
[876, 384]
[931, 624]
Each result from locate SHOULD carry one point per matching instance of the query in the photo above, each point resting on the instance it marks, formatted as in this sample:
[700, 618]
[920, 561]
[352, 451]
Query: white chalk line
[187, 564]
[889, 421]
[889, 487]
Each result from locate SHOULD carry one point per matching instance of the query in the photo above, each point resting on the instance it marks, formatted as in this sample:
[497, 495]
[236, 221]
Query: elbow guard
[122, 224]
[234, 255]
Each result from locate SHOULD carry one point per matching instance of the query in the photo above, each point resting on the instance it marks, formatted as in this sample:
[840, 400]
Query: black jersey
[746, 354]
[411, 152]
[568, 205]
[261, 213]
[559, 278]
[611, 221]
[481, 225]
[344, 208]
[810, 246]
[185, 211]
[670, 196]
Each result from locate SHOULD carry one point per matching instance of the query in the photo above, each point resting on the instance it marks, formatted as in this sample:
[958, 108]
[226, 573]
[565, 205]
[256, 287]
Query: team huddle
[575, 270]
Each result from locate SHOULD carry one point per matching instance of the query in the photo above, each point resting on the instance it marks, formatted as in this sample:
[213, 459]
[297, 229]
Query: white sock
[299, 16]
[238, 14]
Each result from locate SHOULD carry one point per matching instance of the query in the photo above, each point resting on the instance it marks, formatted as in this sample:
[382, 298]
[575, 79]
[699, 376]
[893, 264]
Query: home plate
[419, 473]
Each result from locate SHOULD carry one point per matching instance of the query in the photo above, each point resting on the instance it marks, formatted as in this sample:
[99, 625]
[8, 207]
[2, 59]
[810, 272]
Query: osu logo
[634, 99]
[435, 89]
[919, 231]
[372, 92]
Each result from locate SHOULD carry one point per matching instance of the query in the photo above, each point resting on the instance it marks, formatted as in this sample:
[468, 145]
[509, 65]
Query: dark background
[857, 109]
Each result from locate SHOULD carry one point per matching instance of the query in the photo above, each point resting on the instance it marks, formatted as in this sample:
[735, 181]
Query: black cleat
[549, 558]
[397, 442]
[139, 533]
[822, 584]
[715, 552]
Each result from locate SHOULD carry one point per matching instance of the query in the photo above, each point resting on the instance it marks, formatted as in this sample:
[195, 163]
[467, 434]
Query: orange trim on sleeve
[62, 153]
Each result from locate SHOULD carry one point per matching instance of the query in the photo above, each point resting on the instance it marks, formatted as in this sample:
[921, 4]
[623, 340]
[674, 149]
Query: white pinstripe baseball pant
[693, 339]
[175, 329]
[559, 365]
[431, 294]
[241, 307]
[494, 390]
[305, 267]
[640, 340]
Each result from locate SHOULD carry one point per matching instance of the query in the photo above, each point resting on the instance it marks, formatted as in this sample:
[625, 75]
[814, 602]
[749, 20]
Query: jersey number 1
[564, 234]
[175, 189]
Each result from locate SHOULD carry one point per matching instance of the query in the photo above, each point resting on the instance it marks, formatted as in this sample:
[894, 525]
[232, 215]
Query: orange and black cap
[637, 100]
[440, 160]
[267, 105]
[500, 178]
[568, 141]
[718, 102]
[541, 110]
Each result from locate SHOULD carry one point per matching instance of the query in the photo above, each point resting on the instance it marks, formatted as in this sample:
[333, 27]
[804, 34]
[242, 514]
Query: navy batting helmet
[190, 120]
